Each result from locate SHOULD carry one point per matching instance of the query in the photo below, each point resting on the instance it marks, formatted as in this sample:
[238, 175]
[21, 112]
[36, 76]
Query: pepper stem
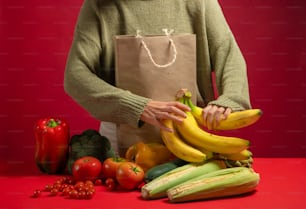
[52, 123]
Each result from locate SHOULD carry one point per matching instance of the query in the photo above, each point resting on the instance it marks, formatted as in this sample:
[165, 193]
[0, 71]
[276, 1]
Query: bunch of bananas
[192, 143]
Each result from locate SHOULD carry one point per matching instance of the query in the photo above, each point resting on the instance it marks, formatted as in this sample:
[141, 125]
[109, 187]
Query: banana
[240, 119]
[196, 136]
[196, 111]
[243, 155]
[209, 154]
[235, 120]
[178, 147]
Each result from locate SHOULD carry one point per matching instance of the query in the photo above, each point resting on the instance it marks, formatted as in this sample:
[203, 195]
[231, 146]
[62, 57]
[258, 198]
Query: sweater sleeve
[227, 61]
[102, 100]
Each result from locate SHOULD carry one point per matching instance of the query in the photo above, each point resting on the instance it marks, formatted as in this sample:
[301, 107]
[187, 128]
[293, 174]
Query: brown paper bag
[153, 66]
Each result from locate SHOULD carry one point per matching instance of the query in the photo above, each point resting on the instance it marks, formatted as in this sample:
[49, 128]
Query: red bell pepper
[52, 145]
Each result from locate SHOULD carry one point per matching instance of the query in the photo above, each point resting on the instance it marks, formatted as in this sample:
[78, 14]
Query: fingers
[213, 114]
[155, 112]
[209, 116]
[180, 106]
[173, 111]
[227, 112]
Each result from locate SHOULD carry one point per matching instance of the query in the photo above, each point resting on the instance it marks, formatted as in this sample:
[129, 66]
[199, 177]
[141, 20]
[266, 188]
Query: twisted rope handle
[168, 33]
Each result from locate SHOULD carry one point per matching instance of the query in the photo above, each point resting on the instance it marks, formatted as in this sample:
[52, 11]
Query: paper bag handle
[167, 32]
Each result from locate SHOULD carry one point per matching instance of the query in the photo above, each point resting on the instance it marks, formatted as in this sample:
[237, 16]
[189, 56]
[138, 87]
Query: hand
[213, 114]
[156, 111]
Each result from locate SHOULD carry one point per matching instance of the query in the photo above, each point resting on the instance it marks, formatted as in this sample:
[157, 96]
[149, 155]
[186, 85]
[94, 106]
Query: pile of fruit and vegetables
[191, 164]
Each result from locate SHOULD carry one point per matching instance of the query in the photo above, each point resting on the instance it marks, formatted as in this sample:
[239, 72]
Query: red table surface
[282, 186]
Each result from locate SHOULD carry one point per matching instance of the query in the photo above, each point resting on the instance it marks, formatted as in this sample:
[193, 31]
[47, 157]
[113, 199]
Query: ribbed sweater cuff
[132, 108]
[227, 102]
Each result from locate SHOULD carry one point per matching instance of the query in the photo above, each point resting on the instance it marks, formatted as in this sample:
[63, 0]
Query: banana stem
[181, 100]
[190, 104]
[181, 93]
[184, 96]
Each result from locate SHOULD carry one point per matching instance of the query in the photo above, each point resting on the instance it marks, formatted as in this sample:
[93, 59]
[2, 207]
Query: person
[90, 77]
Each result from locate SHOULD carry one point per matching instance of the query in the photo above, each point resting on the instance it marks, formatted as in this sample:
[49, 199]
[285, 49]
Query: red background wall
[35, 37]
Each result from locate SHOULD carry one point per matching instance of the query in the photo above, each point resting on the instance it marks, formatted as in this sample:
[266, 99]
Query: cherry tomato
[66, 191]
[110, 166]
[69, 188]
[86, 168]
[89, 195]
[54, 192]
[110, 183]
[36, 193]
[73, 194]
[98, 182]
[129, 175]
[88, 182]
[48, 187]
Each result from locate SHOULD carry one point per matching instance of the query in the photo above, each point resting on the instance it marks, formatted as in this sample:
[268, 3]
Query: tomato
[129, 175]
[86, 168]
[73, 194]
[110, 166]
[36, 193]
[54, 192]
[98, 182]
[110, 183]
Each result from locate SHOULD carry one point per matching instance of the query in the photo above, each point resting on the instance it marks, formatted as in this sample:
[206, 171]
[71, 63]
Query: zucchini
[158, 170]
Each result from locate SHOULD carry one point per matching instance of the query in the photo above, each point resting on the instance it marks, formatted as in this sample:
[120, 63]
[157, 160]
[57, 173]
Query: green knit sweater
[89, 75]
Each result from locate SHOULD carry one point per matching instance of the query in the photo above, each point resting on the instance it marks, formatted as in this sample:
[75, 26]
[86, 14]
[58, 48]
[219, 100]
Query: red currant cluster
[68, 188]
